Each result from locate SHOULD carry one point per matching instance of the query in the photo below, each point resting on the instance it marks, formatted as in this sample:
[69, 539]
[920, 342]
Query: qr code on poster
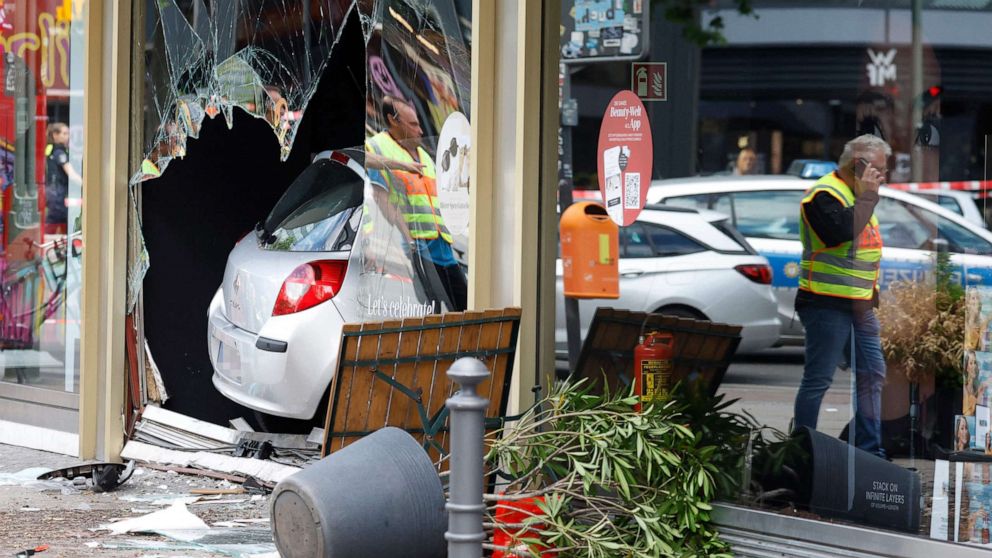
[632, 190]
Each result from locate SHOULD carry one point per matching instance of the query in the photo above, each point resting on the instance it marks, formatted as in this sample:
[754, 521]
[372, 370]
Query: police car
[765, 209]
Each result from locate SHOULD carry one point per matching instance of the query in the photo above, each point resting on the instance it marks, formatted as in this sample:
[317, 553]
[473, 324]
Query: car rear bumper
[759, 335]
[288, 383]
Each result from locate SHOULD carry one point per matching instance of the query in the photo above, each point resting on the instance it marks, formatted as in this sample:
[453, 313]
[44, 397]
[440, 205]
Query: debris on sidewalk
[31, 551]
[264, 470]
[29, 478]
[82, 523]
[170, 429]
[176, 516]
[100, 477]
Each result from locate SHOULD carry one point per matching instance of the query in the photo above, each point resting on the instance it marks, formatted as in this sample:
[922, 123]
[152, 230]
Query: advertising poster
[625, 157]
[962, 502]
[411, 247]
[939, 511]
[977, 381]
[964, 433]
[974, 500]
[978, 318]
[453, 162]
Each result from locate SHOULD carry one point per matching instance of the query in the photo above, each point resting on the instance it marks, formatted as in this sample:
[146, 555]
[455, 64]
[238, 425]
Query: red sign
[625, 155]
[649, 80]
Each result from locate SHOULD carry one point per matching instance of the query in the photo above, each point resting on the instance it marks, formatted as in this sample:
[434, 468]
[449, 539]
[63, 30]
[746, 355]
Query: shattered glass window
[261, 56]
[267, 57]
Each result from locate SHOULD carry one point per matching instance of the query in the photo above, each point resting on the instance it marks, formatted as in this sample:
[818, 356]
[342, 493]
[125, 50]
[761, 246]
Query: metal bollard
[465, 508]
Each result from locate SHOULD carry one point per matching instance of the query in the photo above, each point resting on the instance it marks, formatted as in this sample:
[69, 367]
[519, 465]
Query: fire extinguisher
[653, 368]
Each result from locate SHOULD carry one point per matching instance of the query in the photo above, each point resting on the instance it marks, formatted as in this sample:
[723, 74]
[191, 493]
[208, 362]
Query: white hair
[866, 143]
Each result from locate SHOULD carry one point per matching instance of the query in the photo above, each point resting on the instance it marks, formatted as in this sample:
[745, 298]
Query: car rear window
[726, 228]
[318, 211]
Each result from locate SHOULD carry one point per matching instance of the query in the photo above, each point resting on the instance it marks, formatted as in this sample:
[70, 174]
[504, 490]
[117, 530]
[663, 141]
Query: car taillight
[759, 273]
[309, 285]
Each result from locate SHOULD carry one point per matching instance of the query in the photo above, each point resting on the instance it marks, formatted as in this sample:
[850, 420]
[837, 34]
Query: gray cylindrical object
[380, 496]
[465, 507]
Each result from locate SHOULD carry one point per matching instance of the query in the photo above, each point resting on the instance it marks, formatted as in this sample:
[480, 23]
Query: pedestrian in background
[58, 173]
[747, 162]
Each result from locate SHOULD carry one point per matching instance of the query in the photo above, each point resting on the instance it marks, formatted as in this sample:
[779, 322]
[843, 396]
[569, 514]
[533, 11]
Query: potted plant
[923, 338]
[591, 477]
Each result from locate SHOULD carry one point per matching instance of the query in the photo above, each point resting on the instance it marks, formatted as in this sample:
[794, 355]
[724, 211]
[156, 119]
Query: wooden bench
[703, 349]
[394, 373]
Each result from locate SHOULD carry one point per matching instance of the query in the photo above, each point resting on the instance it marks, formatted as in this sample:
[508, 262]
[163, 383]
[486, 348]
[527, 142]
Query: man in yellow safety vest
[410, 201]
[838, 287]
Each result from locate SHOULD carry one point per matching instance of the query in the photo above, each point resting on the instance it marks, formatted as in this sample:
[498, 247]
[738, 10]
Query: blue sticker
[597, 14]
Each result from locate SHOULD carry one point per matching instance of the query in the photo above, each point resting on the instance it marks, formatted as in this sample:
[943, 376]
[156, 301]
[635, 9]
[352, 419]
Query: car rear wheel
[681, 312]
[282, 425]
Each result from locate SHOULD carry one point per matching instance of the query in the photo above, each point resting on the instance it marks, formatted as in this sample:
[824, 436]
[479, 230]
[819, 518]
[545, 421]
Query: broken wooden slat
[400, 407]
[341, 386]
[412, 358]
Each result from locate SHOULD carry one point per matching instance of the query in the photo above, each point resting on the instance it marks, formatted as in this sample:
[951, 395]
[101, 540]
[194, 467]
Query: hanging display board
[599, 30]
[624, 157]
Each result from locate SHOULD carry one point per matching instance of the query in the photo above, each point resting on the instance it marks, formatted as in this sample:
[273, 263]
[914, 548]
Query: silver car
[324, 256]
[687, 263]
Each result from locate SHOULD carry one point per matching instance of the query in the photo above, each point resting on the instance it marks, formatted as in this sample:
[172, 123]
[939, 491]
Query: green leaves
[615, 482]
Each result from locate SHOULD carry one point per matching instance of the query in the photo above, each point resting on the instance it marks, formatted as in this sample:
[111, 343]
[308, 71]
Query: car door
[906, 238]
[971, 253]
[909, 231]
[769, 219]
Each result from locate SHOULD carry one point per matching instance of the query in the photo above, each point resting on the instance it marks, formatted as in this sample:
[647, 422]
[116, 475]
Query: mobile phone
[860, 166]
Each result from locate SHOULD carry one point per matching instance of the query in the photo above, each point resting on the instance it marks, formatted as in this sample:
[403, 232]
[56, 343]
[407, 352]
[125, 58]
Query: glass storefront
[41, 151]
[349, 90]
[748, 112]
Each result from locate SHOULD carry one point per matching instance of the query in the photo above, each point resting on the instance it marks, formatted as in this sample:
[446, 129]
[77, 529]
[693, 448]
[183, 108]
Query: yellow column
[514, 109]
[106, 119]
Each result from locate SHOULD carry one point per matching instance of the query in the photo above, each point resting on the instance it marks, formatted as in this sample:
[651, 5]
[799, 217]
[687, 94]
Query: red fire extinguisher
[653, 368]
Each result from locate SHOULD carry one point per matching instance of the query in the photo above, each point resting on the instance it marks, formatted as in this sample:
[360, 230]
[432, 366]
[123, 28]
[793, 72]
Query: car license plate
[228, 361]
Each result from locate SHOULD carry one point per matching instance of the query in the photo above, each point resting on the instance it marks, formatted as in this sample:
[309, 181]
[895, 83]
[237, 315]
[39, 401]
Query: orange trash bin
[589, 252]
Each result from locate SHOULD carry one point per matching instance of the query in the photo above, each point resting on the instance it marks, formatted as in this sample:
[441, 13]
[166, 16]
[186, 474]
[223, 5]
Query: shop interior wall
[204, 203]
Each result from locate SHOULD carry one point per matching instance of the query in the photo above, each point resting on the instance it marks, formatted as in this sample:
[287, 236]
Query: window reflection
[41, 182]
[781, 96]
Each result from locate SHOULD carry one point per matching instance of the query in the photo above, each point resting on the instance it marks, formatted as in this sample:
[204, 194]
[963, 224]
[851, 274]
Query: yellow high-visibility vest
[415, 195]
[847, 270]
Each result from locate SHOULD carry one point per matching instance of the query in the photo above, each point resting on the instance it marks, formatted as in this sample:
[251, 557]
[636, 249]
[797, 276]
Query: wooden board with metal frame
[702, 348]
[393, 373]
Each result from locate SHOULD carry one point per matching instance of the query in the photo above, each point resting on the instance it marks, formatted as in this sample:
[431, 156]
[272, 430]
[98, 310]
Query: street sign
[625, 156]
[649, 80]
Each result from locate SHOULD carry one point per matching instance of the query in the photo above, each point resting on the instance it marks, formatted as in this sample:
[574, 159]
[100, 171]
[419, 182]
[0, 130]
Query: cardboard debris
[197, 433]
[241, 425]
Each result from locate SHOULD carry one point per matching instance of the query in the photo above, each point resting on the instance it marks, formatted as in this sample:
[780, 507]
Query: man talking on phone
[838, 287]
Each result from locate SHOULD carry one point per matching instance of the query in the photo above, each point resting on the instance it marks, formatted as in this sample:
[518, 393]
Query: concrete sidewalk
[65, 516]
